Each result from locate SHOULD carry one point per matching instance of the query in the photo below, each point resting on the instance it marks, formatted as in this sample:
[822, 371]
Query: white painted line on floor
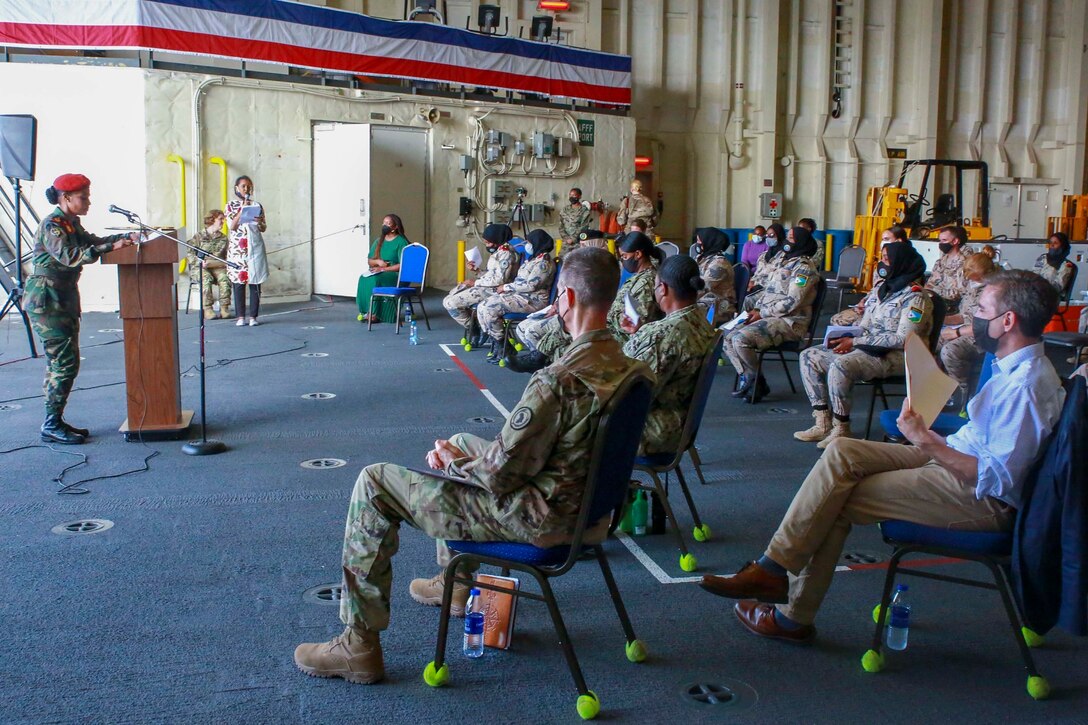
[476, 381]
[651, 565]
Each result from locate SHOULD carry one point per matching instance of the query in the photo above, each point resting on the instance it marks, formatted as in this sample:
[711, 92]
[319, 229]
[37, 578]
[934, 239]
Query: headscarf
[1056, 260]
[639, 242]
[905, 267]
[541, 242]
[780, 235]
[498, 234]
[714, 241]
[587, 234]
[803, 245]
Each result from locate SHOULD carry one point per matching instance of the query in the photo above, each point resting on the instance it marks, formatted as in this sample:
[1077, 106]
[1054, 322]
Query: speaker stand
[15, 296]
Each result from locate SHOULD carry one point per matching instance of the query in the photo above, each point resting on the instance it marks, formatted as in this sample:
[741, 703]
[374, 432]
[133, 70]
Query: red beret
[71, 182]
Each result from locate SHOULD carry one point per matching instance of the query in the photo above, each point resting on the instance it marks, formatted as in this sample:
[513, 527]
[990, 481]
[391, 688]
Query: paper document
[837, 331]
[629, 309]
[250, 213]
[473, 256]
[371, 271]
[739, 319]
[928, 388]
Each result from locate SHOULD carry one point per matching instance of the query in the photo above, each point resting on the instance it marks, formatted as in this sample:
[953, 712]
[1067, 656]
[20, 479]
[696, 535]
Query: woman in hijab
[769, 262]
[526, 294]
[502, 265]
[640, 258]
[781, 312]
[874, 350]
[716, 270]
[1054, 266]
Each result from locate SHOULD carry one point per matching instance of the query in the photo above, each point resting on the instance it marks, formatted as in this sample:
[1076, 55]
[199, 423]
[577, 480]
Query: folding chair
[992, 550]
[511, 319]
[413, 271]
[1067, 296]
[466, 341]
[669, 248]
[848, 274]
[939, 310]
[614, 448]
[793, 346]
[946, 423]
[665, 462]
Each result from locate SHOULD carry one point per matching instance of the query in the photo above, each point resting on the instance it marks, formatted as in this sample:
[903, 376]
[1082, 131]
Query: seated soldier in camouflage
[829, 373]
[527, 293]
[674, 347]
[781, 313]
[525, 486]
[959, 355]
[640, 257]
[851, 315]
[502, 265]
[1054, 266]
[946, 277]
[213, 241]
[770, 263]
[717, 272]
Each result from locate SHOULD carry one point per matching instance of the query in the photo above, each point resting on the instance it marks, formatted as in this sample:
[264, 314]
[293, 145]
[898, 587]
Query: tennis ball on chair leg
[872, 661]
[589, 706]
[436, 678]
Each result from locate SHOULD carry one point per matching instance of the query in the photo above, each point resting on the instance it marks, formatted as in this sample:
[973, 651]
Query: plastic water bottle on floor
[474, 626]
[413, 333]
[899, 619]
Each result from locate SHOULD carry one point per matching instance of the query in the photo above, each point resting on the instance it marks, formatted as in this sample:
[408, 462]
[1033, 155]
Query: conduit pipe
[181, 187]
[737, 157]
[217, 161]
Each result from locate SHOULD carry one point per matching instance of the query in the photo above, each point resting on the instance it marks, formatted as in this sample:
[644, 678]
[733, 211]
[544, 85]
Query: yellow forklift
[925, 213]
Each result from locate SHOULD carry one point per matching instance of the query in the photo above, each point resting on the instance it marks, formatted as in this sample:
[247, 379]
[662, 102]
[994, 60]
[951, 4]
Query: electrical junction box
[493, 136]
[499, 216]
[493, 154]
[466, 162]
[499, 138]
[770, 205]
[564, 147]
[519, 148]
[465, 206]
[498, 191]
[543, 145]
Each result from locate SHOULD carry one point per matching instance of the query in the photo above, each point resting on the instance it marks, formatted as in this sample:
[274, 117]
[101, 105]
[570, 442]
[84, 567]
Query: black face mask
[490, 249]
[882, 270]
[980, 327]
[562, 322]
[631, 264]
[574, 200]
[1054, 257]
[945, 247]
[386, 229]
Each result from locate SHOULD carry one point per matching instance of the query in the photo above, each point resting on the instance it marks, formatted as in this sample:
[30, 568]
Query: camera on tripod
[521, 192]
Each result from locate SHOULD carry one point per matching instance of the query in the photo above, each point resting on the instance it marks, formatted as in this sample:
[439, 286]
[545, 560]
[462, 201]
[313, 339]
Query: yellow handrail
[216, 161]
[181, 169]
[460, 261]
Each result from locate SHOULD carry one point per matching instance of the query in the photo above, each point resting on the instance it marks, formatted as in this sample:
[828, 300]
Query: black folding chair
[848, 274]
[793, 346]
[611, 461]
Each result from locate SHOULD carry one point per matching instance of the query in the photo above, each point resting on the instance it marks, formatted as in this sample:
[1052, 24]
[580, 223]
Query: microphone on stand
[131, 216]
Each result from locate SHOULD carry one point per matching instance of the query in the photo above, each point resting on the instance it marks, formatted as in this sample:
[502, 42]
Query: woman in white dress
[246, 250]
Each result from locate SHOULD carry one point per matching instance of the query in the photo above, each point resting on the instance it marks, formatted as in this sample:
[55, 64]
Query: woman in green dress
[384, 263]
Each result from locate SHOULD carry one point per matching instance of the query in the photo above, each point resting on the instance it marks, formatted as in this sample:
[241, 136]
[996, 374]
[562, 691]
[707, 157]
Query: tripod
[202, 447]
[517, 214]
[15, 296]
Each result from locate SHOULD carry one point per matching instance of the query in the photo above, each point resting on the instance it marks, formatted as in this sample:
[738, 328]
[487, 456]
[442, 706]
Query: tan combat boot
[819, 429]
[355, 655]
[839, 429]
[209, 313]
[224, 312]
[429, 592]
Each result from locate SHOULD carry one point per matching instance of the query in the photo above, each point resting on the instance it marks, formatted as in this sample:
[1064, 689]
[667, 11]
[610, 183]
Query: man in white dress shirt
[971, 481]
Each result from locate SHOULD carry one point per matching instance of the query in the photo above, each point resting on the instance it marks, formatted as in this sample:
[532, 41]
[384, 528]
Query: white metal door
[1019, 210]
[398, 169]
[342, 227]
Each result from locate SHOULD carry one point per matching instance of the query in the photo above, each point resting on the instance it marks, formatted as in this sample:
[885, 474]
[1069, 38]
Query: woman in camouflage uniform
[527, 293]
[829, 373]
[502, 265]
[959, 355]
[61, 247]
[717, 272]
[1054, 266]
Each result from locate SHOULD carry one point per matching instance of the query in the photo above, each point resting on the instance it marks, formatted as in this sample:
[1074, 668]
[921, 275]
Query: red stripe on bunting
[184, 41]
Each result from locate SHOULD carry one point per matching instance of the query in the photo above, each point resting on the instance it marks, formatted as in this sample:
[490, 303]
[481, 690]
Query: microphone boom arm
[200, 253]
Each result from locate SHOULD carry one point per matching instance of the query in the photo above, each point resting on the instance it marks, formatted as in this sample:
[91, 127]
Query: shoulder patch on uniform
[55, 230]
[801, 280]
[915, 314]
[521, 418]
[915, 288]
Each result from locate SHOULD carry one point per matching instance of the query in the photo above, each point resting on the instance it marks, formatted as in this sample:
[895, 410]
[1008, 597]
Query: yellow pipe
[460, 261]
[181, 170]
[829, 248]
[558, 247]
[216, 161]
[612, 246]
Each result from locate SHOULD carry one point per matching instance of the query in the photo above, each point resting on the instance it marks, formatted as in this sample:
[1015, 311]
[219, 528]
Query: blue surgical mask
[772, 241]
[756, 238]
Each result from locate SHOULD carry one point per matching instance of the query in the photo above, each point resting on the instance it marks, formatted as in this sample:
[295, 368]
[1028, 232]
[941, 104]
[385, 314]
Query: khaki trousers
[862, 482]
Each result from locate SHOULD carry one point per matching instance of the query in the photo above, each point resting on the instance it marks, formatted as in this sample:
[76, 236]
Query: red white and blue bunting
[291, 33]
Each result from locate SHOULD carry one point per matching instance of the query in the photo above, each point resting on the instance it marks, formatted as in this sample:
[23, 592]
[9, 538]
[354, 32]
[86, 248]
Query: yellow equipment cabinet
[1074, 218]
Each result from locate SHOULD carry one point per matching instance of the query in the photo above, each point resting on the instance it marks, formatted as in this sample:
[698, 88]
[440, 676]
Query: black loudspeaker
[18, 146]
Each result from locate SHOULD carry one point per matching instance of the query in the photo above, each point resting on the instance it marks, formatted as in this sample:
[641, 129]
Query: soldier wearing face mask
[768, 266]
[958, 353]
[636, 205]
[851, 315]
[502, 265]
[573, 219]
[947, 277]
[1054, 266]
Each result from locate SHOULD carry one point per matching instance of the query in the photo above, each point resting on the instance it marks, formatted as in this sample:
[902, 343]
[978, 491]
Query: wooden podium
[145, 276]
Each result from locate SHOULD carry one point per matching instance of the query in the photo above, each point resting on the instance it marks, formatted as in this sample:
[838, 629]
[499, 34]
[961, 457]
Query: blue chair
[511, 319]
[663, 463]
[946, 423]
[413, 271]
[992, 550]
[614, 448]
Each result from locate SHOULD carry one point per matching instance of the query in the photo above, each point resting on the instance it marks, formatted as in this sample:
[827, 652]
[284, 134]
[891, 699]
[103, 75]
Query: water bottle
[413, 333]
[899, 619]
[640, 510]
[474, 626]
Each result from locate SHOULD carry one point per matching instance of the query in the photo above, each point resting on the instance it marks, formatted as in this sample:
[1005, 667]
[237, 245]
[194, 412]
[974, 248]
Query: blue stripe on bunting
[304, 14]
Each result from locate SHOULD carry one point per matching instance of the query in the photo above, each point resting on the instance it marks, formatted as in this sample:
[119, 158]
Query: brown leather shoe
[355, 655]
[759, 619]
[751, 582]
